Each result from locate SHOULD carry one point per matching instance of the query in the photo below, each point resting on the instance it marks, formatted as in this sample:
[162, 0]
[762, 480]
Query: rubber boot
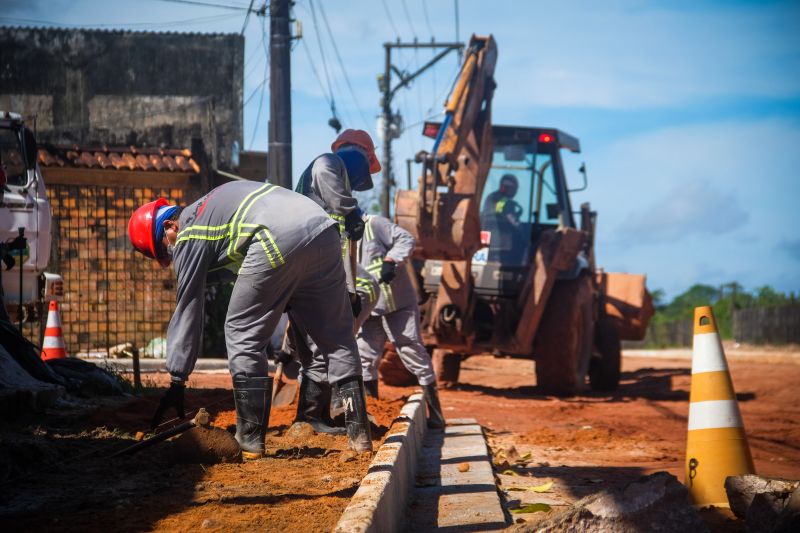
[253, 398]
[351, 390]
[371, 387]
[314, 407]
[435, 417]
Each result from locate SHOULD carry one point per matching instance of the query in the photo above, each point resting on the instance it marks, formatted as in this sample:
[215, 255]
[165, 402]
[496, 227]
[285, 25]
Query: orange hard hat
[142, 231]
[361, 139]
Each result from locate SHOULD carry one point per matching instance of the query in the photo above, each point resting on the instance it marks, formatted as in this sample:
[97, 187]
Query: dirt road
[588, 442]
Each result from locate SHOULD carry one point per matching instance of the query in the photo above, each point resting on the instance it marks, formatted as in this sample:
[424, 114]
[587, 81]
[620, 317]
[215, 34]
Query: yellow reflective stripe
[368, 230]
[201, 238]
[239, 214]
[500, 205]
[239, 233]
[266, 250]
[338, 218]
[274, 246]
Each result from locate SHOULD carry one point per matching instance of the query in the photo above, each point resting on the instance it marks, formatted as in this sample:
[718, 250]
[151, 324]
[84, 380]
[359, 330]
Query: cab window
[11, 157]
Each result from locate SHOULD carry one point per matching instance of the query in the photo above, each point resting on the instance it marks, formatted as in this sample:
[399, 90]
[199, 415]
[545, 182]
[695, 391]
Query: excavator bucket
[625, 300]
[443, 213]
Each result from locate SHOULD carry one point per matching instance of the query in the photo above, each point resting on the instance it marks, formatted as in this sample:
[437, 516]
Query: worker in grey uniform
[284, 251]
[330, 180]
[383, 251]
[318, 403]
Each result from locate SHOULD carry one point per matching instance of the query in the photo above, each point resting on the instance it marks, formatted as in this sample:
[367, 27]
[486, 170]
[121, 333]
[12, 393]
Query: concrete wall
[122, 87]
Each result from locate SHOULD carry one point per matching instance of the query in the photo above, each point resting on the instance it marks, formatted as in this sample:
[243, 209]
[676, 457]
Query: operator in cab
[501, 202]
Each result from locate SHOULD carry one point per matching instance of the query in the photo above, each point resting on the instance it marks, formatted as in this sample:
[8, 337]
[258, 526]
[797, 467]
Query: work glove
[172, 398]
[355, 304]
[354, 225]
[388, 271]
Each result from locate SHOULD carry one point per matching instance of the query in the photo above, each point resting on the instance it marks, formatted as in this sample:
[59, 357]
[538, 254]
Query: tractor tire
[604, 371]
[563, 345]
[446, 366]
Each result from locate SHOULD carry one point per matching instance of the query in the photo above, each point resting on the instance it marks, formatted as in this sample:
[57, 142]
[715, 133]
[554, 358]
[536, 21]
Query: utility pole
[390, 120]
[280, 98]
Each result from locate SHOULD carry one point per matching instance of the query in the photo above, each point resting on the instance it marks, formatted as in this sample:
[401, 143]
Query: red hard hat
[361, 139]
[142, 230]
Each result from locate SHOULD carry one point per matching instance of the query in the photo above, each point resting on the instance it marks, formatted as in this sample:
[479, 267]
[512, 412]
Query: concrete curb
[380, 502]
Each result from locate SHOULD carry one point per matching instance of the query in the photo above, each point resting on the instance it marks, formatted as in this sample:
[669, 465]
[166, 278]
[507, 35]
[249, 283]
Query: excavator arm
[443, 213]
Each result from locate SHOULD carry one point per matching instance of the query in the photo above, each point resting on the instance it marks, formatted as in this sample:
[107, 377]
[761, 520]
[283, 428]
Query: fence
[112, 295]
[757, 325]
[768, 325]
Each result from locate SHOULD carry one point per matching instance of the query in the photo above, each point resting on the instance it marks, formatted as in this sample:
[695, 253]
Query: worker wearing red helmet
[330, 180]
[284, 251]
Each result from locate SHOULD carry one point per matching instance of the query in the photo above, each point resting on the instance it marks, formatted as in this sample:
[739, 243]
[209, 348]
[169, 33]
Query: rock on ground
[743, 489]
[657, 502]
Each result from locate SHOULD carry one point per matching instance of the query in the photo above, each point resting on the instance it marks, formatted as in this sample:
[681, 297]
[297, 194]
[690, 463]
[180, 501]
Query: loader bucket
[625, 300]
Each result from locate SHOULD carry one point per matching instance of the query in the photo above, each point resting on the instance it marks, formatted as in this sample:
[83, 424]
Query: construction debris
[657, 502]
[767, 504]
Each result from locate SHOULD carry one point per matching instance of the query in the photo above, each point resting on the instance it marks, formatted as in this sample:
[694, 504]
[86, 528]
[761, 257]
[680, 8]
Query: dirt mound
[206, 446]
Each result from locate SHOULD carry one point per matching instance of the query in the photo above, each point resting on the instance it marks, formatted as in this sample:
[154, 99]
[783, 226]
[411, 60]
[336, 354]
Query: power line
[408, 19]
[154, 24]
[247, 17]
[391, 20]
[207, 4]
[427, 18]
[322, 55]
[314, 70]
[341, 65]
[263, 82]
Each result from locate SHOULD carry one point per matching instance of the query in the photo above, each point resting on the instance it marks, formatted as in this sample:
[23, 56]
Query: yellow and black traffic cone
[716, 445]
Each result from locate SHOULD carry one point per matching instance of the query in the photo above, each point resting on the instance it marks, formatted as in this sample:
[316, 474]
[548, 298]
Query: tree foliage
[725, 300]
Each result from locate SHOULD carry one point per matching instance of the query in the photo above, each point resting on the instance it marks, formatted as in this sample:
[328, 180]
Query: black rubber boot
[314, 407]
[435, 417]
[371, 387]
[351, 391]
[253, 398]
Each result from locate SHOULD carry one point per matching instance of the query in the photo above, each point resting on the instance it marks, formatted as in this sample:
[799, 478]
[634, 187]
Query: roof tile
[119, 158]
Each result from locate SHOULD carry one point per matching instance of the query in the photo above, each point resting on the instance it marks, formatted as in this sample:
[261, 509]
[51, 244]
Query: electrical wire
[263, 83]
[322, 55]
[162, 24]
[314, 70]
[391, 20]
[206, 4]
[427, 18]
[341, 65]
[247, 17]
[408, 19]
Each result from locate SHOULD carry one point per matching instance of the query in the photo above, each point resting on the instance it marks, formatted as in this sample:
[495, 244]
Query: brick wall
[113, 295]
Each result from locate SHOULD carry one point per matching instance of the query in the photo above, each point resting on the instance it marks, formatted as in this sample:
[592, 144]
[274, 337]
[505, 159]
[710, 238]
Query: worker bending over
[284, 250]
[330, 181]
[383, 251]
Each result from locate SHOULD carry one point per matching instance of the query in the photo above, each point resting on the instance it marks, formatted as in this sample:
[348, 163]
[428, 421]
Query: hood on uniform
[357, 167]
[162, 214]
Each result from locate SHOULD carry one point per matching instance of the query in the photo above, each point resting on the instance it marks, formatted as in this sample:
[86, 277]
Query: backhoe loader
[505, 265]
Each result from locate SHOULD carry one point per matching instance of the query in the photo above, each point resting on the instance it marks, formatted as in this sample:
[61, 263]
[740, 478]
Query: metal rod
[200, 419]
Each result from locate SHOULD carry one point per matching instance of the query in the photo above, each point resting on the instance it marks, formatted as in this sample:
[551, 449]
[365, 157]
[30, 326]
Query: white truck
[25, 224]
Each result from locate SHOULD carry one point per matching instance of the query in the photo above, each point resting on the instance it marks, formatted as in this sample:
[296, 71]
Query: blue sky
[688, 111]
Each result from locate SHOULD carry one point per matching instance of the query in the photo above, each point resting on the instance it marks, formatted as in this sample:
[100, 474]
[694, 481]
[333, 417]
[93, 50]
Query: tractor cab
[524, 195]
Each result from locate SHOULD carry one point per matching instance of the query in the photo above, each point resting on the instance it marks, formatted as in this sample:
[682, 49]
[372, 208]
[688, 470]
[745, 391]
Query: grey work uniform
[283, 249]
[397, 311]
[326, 182]
[367, 290]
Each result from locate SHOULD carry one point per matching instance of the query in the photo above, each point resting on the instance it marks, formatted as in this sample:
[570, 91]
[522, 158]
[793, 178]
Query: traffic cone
[53, 346]
[716, 446]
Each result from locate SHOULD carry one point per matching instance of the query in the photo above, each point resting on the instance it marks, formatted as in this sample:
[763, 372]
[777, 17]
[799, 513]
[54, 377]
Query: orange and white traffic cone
[716, 446]
[53, 346]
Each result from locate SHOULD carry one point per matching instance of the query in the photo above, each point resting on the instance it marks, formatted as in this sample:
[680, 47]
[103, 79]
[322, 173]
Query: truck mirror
[31, 150]
[582, 170]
